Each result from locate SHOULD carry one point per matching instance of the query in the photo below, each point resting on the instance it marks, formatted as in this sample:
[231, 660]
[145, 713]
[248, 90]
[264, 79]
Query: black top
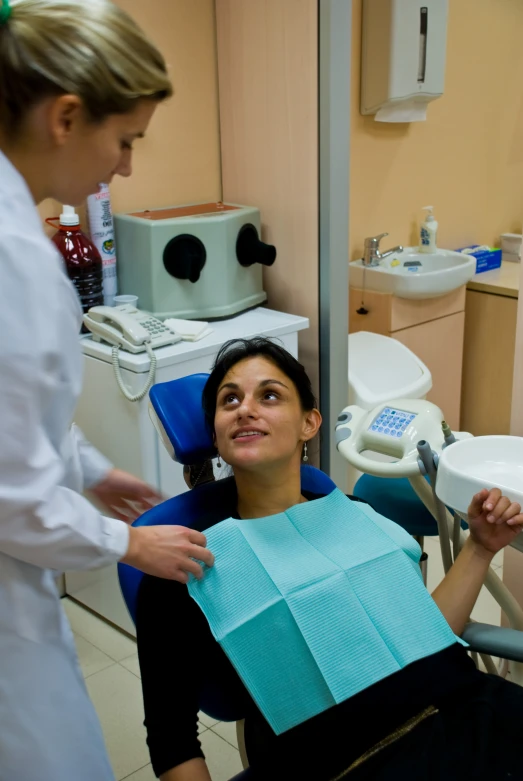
[179, 658]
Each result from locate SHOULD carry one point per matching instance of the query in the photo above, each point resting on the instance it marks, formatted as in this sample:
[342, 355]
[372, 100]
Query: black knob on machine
[184, 257]
[250, 249]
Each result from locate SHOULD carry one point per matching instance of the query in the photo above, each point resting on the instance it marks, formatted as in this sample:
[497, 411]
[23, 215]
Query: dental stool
[176, 410]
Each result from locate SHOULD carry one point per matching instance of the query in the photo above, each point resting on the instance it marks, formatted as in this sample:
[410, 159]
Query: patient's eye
[230, 398]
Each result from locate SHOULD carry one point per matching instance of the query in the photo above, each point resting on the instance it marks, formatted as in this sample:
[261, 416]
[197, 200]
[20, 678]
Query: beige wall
[466, 159]
[267, 61]
[179, 160]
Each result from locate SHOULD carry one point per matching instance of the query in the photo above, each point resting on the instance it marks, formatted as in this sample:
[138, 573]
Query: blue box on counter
[487, 258]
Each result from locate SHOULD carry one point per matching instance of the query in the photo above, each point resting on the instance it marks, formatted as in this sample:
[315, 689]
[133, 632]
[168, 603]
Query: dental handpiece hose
[427, 459]
[447, 434]
[449, 439]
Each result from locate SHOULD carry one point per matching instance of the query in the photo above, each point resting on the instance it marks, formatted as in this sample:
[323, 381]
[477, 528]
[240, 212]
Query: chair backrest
[176, 411]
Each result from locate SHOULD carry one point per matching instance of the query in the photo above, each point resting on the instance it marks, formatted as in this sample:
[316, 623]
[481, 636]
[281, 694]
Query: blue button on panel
[392, 422]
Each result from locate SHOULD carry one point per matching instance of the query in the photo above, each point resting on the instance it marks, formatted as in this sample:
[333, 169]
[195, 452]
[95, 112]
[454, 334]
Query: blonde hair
[89, 48]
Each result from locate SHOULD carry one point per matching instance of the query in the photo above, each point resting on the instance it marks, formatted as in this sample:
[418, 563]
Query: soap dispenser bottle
[428, 232]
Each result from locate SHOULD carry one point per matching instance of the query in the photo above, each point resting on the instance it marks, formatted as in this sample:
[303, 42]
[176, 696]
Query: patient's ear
[311, 424]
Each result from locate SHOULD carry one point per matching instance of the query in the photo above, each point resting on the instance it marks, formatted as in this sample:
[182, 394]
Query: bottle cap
[430, 216]
[69, 216]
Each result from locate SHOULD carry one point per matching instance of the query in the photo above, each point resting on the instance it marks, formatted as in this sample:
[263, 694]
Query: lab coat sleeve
[41, 521]
[93, 465]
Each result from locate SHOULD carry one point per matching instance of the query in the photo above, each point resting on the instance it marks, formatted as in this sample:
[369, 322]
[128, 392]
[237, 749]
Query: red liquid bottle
[82, 260]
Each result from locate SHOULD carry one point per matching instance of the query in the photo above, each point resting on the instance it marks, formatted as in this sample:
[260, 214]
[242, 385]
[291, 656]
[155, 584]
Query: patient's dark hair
[237, 350]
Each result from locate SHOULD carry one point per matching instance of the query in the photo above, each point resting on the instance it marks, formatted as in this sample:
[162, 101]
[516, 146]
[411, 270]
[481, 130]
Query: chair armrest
[495, 641]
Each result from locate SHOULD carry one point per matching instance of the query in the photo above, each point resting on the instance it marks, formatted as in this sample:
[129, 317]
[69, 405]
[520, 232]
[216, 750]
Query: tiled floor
[110, 665]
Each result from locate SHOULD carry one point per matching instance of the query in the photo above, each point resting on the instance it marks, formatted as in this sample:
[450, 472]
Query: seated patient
[437, 718]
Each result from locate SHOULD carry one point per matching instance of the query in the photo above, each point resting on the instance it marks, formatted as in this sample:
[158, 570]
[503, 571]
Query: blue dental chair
[180, 422]
[395, 498]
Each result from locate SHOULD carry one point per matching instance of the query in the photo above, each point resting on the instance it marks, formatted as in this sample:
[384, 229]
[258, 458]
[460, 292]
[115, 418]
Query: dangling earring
[305, 456]
[219, 462]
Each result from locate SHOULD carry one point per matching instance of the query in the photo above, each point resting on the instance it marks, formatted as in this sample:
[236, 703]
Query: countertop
[252, 323]
[503, 281]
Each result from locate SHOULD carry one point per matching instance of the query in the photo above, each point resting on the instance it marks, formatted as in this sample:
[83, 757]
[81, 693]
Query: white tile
[486, 610]
[117, 696]
[144, 774]
[132, 664]
[227, 731]
[207, 721]
[497, 561]
[435, 571]
[108, 639]
[91, 659]
[222, 759]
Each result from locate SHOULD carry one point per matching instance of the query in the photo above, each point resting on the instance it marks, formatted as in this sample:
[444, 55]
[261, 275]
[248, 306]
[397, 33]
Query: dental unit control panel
[392, 429]
[392, 422]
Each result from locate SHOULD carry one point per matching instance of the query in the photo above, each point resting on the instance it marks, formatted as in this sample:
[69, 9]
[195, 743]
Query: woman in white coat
[79, 83]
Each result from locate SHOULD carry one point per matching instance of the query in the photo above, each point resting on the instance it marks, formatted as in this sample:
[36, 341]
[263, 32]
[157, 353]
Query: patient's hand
[493, 520]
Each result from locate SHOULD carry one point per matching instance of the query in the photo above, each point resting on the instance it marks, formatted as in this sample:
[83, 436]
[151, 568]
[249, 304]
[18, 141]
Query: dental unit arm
[414, 436]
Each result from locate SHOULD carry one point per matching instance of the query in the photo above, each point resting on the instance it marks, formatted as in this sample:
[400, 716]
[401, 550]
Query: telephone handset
[128, 327]
[134, 331]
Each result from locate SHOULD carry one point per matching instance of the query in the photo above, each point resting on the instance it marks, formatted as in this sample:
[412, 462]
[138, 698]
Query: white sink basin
[413, 274]
[469, 465]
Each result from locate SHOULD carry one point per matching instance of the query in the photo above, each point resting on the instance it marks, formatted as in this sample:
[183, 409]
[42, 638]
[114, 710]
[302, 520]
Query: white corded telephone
[134, 331]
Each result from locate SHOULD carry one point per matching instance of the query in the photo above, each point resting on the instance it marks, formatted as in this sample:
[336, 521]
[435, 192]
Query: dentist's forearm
[456, 595]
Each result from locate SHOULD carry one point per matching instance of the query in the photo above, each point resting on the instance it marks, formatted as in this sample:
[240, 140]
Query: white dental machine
[418, 443]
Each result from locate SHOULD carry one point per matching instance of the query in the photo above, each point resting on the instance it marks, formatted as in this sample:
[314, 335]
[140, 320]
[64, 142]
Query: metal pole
[334, 22]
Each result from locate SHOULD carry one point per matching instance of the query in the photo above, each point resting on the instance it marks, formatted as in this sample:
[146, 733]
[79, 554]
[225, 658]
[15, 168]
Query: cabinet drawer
[408, 312]
[388, 314]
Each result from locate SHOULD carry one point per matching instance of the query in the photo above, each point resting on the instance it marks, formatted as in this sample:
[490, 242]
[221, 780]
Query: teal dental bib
[316, 604]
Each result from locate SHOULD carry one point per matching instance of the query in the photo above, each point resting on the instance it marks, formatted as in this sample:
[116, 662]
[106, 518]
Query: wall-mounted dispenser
[403, 57]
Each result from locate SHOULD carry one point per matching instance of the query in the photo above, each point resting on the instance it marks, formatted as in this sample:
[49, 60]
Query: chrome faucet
[372, 254]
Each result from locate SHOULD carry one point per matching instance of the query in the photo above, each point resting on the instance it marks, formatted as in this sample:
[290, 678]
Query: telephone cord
[119, 379]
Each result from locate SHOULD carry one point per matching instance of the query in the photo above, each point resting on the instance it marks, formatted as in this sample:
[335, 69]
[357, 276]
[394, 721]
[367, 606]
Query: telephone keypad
[155, 327]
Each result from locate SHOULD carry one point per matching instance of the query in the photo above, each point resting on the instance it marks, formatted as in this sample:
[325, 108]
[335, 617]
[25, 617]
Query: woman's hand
[125, 496]
[494, 520]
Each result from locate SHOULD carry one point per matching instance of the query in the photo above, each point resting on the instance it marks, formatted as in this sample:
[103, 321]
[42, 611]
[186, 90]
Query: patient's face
[259, 421]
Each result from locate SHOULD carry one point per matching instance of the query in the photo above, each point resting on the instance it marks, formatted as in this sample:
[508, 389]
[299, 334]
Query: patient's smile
[249, 435]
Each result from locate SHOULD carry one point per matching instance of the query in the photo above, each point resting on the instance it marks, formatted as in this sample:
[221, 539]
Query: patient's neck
[268, 492]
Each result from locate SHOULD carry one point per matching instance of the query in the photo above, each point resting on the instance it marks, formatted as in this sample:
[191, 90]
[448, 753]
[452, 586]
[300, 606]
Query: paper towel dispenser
[403, 57]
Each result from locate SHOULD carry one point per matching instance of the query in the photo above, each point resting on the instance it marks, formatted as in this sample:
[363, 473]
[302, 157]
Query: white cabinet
[123, 431]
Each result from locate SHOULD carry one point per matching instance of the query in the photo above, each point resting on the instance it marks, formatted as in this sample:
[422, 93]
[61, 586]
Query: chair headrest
[176, 412]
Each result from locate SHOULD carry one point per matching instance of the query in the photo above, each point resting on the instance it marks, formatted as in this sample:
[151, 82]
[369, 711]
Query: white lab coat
[48, 728]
